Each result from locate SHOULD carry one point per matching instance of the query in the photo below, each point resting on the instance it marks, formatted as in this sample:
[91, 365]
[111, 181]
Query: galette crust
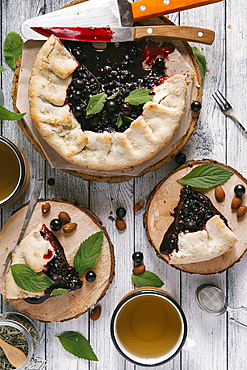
[146, 136]
[213, 241]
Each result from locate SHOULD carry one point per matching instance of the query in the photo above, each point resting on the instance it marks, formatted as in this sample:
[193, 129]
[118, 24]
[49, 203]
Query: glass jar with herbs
[19, 331]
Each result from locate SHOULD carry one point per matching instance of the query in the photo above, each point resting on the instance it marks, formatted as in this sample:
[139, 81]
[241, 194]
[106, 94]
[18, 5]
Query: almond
[138, 206]
[138, 269]
[64, 217]
[236, 203]
[241, 211]
[95, 313]
[45, 207]
[219, 193]
[121, 225]
[68, 228]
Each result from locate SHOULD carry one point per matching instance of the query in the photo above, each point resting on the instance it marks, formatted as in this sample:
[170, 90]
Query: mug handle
[189, 344]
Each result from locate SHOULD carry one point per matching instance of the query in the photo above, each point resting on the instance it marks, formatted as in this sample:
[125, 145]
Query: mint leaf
[96, 103]
[126, 118]
[2, 69]
[77, 345]
[59, 291]
[201, 61]
[119, 120]
[147, 278]
[12, 49]
[206, 176]
[88, 253]
[26, 278]
[114, 95]
[5, 114]
[138, 96]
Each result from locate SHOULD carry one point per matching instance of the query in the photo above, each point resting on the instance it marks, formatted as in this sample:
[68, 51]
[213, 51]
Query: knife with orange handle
[148, 8]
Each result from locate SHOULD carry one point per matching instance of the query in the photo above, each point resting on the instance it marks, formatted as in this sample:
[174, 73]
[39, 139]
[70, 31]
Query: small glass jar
[26, 327]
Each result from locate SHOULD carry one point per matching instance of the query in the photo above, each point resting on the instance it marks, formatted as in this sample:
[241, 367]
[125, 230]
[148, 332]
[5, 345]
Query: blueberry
[121, 212]
[239, 190]
[196, 106]
[159, 63]
[137, 257]
[90, 276]
[191, 226]
[126, 109]
[180, 158]
[56, 224]
[110, 106]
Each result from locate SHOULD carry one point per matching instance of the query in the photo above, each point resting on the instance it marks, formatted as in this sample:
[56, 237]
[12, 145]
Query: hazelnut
[121, 225]
[138, 269]
[45, 207]
[236, 203]
[95, 313]
[64, 217]
[241, 211]
[219, 193]
[68, 228]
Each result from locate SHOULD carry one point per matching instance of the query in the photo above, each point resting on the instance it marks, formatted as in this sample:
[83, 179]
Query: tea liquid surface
[148, 326]
[9, 171]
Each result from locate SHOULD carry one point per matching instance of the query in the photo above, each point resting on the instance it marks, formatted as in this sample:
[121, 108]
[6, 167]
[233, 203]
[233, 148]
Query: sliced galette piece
[43, 253]
[199, 231]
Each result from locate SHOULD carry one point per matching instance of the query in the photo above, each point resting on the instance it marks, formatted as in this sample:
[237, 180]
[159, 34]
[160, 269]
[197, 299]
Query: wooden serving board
[164, 199]
[74, 303]
[187, 53]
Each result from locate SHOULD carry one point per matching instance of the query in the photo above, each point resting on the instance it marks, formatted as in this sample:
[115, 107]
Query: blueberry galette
[199, 231]
[105, 109]
[41, 251]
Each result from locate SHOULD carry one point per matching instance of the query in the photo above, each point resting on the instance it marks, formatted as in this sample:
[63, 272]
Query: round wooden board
[185, 49]
[74, 303]
[164, 199]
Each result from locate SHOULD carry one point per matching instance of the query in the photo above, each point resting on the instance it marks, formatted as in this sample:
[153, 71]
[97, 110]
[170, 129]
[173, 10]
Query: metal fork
[226, 108]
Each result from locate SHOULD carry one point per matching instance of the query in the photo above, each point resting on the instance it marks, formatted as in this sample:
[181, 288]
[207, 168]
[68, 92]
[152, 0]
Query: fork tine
[224, 101]
[218, 101]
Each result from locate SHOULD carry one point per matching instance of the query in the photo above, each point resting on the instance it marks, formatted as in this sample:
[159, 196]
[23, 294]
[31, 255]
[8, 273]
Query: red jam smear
[48, 236]
[48, 255]
[103, 34]
[150, 53]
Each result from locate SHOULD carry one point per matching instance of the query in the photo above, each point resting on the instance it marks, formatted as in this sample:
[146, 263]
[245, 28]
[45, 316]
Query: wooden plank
[208, 141]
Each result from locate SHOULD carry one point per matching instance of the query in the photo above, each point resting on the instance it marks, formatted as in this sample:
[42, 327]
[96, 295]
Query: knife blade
[121, 34]
[103, 13]
[33, 200]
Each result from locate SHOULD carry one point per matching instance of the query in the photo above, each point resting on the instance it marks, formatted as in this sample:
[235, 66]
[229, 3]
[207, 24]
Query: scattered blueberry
[110, 106]
[180, 158]
[56, 224]
[126, 109]
[137, 257]
[90, 276]
[239, 190]
[196, 106]
[121, 212]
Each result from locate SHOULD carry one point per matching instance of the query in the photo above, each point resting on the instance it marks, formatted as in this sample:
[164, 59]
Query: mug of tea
[14, 172]
[148, 327]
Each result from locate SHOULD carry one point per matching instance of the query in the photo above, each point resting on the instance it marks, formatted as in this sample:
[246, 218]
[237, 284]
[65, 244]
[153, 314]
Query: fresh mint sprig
[206, 176]
[147, 278]
[139, 96]
[12, 48]
[76, 344]
[27, 280]
[201, 61]
[88, 252]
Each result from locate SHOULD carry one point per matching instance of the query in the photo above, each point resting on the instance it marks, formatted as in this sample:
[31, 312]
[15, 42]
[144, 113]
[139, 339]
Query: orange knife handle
[143, 9]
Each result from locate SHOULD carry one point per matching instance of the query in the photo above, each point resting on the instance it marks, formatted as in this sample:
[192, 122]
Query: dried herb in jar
[14, 337]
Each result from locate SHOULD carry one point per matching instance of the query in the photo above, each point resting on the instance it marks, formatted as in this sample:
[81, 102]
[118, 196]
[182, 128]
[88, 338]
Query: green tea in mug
[9, 171]
[148, 326]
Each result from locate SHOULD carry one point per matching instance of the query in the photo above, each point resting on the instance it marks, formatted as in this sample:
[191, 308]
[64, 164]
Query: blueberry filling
[58, 269]
[119, 67]
[191, 214]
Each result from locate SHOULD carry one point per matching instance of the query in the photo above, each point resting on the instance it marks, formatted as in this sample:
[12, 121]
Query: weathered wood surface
[220, 343]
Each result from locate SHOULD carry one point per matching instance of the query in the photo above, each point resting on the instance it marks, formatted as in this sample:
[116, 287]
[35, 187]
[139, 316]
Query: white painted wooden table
[221, 344]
